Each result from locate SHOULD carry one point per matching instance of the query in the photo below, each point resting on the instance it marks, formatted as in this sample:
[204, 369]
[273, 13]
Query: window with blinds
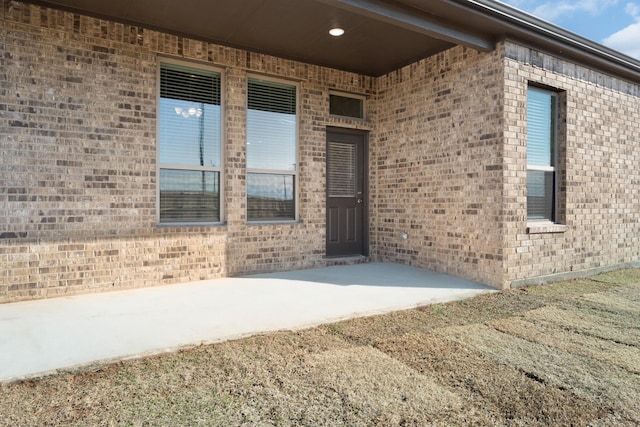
[271, 150]
[189, 148]
[541, 154]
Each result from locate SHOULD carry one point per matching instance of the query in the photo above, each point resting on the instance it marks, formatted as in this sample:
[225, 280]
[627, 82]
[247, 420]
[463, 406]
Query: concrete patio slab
[43, 337]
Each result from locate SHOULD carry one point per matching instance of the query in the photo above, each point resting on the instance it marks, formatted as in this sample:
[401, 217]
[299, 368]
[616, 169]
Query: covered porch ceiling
[380, 35]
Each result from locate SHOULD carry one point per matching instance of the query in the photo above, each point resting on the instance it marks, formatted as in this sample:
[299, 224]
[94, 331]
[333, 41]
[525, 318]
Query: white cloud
[633, 10]
[626, 40]
[551, 11]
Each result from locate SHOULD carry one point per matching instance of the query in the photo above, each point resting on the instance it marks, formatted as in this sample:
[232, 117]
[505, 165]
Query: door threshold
[347, 260]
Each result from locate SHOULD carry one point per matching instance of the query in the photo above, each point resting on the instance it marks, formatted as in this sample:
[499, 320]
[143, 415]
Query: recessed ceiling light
[336, 32]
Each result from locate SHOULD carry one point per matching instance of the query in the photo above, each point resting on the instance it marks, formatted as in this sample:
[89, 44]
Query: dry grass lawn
[565, 354]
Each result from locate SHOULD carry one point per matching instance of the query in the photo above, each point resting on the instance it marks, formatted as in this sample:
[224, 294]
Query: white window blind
[540, 128]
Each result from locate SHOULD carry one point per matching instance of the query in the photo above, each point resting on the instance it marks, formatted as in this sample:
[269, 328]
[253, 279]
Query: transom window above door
[346, 105]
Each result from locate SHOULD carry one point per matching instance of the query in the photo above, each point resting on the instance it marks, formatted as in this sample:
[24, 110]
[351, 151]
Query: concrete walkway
[45, 336]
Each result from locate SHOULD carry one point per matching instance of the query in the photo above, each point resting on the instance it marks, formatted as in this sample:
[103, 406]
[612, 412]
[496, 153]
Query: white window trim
[541, 168]
[294, 173]
[219, 169]
[543, 226]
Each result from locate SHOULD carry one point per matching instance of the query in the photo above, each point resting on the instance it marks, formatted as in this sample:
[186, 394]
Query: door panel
[332, 225]
[346, 193]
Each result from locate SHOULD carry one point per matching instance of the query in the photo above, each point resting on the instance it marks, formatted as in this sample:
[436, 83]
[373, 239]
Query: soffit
[381, 35]
[295, 29]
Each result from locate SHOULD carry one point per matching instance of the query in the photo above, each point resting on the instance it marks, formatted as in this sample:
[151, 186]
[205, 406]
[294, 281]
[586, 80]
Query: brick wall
[439, 166]
[599, 167]
[447, 153]
[78, 170]
[450, 165]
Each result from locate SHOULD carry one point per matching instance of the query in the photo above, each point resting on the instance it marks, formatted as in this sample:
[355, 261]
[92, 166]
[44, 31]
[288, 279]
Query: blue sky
[613, 23]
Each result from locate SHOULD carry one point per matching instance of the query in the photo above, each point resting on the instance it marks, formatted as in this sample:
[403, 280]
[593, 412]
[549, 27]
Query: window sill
[274, 222]
[544, 227]
[356, 119]
[190, 224]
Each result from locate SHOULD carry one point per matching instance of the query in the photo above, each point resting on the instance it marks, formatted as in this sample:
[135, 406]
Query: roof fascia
[523, 25]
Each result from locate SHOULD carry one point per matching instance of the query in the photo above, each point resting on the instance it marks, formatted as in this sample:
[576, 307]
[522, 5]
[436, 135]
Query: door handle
[360, 200]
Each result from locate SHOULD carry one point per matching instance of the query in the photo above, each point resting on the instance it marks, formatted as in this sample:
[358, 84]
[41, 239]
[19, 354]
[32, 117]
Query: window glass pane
[270, 196]
[189, 196]
[271, 140]
[271, 126]
[540, 128]
[540, 194]
[346, 106]
[189, 133]
[189, 116]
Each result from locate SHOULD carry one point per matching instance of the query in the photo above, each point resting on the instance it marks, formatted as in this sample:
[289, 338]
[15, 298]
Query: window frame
[294, 173]
[217, 169]
[555, 155]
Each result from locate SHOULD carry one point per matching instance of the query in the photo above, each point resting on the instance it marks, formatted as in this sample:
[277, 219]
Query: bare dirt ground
[566, 354]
